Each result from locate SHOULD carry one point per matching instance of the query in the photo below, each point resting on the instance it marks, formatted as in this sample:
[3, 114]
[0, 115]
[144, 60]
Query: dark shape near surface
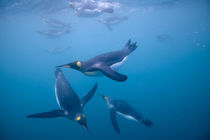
[121, 107]
[55, 29]
[163, 37]
[57, 50]
[105, 63]
[54, 33]
[112, 20]
[53, 23]
[68, 101]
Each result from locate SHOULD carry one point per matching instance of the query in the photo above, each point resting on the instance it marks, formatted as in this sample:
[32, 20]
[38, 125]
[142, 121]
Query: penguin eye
[79, 64]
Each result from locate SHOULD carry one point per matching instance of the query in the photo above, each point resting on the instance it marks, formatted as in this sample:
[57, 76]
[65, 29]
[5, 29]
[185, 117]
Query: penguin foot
[129, 47]
[148, 123]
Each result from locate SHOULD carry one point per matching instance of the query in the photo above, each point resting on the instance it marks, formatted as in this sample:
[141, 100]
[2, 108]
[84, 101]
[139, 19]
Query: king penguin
[105, 63]
[69, 103]
[121, 107]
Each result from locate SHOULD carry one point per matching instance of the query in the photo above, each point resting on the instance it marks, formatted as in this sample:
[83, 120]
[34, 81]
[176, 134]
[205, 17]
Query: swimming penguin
[70, 104]
[112, 20]
[105, 63]
[121, 107]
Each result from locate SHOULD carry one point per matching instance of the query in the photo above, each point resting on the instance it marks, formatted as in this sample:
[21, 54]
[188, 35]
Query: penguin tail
[147, 123]
[129, 47]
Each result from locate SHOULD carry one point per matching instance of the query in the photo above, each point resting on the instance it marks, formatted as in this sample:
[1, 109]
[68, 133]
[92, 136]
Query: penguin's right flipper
[51, 114]
[114, 120]
[88, 96]
[113, 74]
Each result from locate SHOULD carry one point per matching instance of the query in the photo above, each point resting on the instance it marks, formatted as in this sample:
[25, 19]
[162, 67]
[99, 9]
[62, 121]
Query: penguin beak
[86, 128]
[103, 97]
[66, 66]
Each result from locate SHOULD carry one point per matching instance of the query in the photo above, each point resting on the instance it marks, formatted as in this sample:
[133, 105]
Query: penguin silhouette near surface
[105, 63]
[69, 103]
[121, 107]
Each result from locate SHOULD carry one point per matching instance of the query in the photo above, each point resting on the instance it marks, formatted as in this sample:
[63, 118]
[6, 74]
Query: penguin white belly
[109, 105]
[127, 116]
[56, 95]
[93, 73]
[117, 65]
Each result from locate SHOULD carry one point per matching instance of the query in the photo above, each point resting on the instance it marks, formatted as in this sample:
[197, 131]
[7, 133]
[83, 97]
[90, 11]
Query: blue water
[168, 74]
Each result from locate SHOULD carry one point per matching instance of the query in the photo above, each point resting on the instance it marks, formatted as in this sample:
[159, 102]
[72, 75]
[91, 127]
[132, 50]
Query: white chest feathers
[94, 73]
[126, 116]
[117, 65]
[56, 95]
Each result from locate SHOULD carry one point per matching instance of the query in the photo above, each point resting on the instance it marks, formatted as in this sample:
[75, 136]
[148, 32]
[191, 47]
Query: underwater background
[168, 74]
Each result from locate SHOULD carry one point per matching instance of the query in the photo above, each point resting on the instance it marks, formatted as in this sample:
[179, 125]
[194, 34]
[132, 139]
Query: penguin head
[77, 65]
[104, 97]
[81, 119]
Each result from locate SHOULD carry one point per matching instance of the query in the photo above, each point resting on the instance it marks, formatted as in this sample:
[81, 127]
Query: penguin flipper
[113, 74]
[51, 114]
[114, 120]
[88, 96]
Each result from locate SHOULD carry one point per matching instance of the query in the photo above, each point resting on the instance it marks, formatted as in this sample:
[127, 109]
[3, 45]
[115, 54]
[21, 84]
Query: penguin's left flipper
[106, 70]
[88, 96]
[51, 114]
[114, 120]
